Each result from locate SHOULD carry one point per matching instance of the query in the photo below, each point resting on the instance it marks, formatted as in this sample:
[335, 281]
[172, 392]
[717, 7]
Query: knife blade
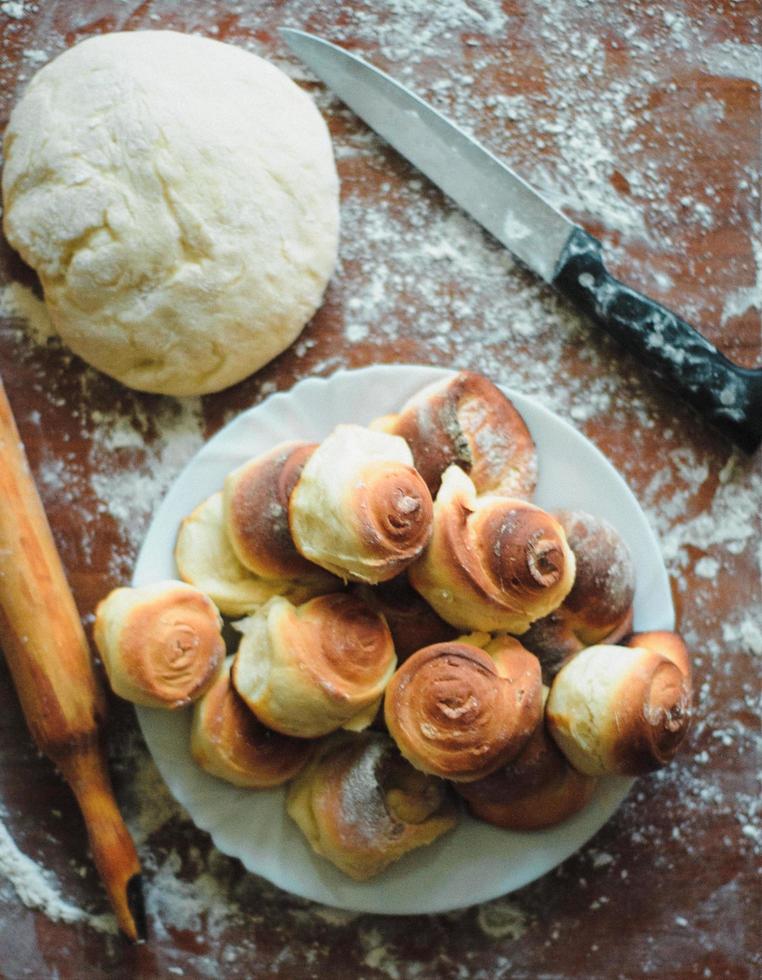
[559, 251]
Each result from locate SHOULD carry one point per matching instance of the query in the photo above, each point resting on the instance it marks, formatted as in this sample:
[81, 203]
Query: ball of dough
[179, 199]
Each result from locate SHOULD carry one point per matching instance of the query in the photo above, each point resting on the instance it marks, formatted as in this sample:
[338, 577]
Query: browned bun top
[363, 806]
[171, 645]
[598, 609]
[254, 754]
[653, 715]
[604, 585]
[452, 714]
[470, 422]
[557, 798]
[257, 512]
[522, 548]
[379, 791]
[394, 512]
[539, 762]
[553, 641]
[412, 621]
[344, 644]
[668, 644]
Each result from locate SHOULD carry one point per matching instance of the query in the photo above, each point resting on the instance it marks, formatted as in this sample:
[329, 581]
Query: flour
[12, 8]
[596, 143]
[37, 889]
[131, 495]
[18, 302]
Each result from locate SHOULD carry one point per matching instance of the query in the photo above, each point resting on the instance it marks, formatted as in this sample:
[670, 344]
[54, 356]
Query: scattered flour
[37, 889]
[594, 142]
[19, 302]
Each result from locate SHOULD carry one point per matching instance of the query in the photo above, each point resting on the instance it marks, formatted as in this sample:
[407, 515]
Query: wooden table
[642, 120]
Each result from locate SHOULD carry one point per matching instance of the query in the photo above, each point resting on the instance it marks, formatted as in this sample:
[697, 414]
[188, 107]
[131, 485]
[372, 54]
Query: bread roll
[256, 499]
[308, 670]
[361, 806]
[359, 509]
[453, 714]
[493, 563]
[160, 644]
[206, 560]
[412, 621]
[468, 421]
[229, 742]
[537, 789]
[614, 709]
[598, 609]
[668, 644]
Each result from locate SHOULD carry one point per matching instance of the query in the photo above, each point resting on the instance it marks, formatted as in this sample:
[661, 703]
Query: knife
[561, 252]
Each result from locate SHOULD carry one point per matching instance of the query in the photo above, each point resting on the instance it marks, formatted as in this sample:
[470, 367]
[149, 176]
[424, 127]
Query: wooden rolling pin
[46, 650]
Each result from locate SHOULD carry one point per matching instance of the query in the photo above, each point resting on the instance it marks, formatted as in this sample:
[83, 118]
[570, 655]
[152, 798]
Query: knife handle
[729, 396]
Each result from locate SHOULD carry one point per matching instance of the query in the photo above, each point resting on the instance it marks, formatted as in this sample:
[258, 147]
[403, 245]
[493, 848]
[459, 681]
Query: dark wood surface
[643, 121]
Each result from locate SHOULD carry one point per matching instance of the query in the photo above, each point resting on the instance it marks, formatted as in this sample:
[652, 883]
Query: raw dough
[178, 198]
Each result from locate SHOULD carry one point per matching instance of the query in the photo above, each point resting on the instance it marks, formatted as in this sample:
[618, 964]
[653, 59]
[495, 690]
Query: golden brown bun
[668, 644]
[493, 563]
[308, 670]
[256, 497]
[598, 609]
[361, 806]
[454, 714]
[228, 741]
[412, 621]
[160, 644]
[468, 421]
[359, 509]
[615, 709]
[536, 789]
[206, 560]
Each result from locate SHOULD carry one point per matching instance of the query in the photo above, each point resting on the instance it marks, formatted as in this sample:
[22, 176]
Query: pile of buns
[414, 636]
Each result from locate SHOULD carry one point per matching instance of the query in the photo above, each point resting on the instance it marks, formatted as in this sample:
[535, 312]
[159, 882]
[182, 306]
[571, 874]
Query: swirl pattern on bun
[308, 670]
[454, 714]
[615, 709]
[494, 563]
[161, 644]
[360, 509]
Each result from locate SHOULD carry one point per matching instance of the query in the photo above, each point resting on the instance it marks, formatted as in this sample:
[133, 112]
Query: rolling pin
[46, 650]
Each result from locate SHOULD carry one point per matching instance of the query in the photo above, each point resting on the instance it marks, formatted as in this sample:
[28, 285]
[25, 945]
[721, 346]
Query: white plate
[476, 862]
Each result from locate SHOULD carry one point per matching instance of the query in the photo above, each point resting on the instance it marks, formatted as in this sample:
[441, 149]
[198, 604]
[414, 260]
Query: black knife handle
[728, 395]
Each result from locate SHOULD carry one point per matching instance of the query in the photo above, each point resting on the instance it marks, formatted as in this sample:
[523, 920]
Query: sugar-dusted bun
[454, 714]
[359, 509]
[468, 421]
[228, 741]
[308, 670]
[412, 621]
[160, 644]
[615, 709]
[598, 609]
[206, 560]
[256, 499]
[668, 644]
[493, 563]
[362, 806]
[536, 789]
